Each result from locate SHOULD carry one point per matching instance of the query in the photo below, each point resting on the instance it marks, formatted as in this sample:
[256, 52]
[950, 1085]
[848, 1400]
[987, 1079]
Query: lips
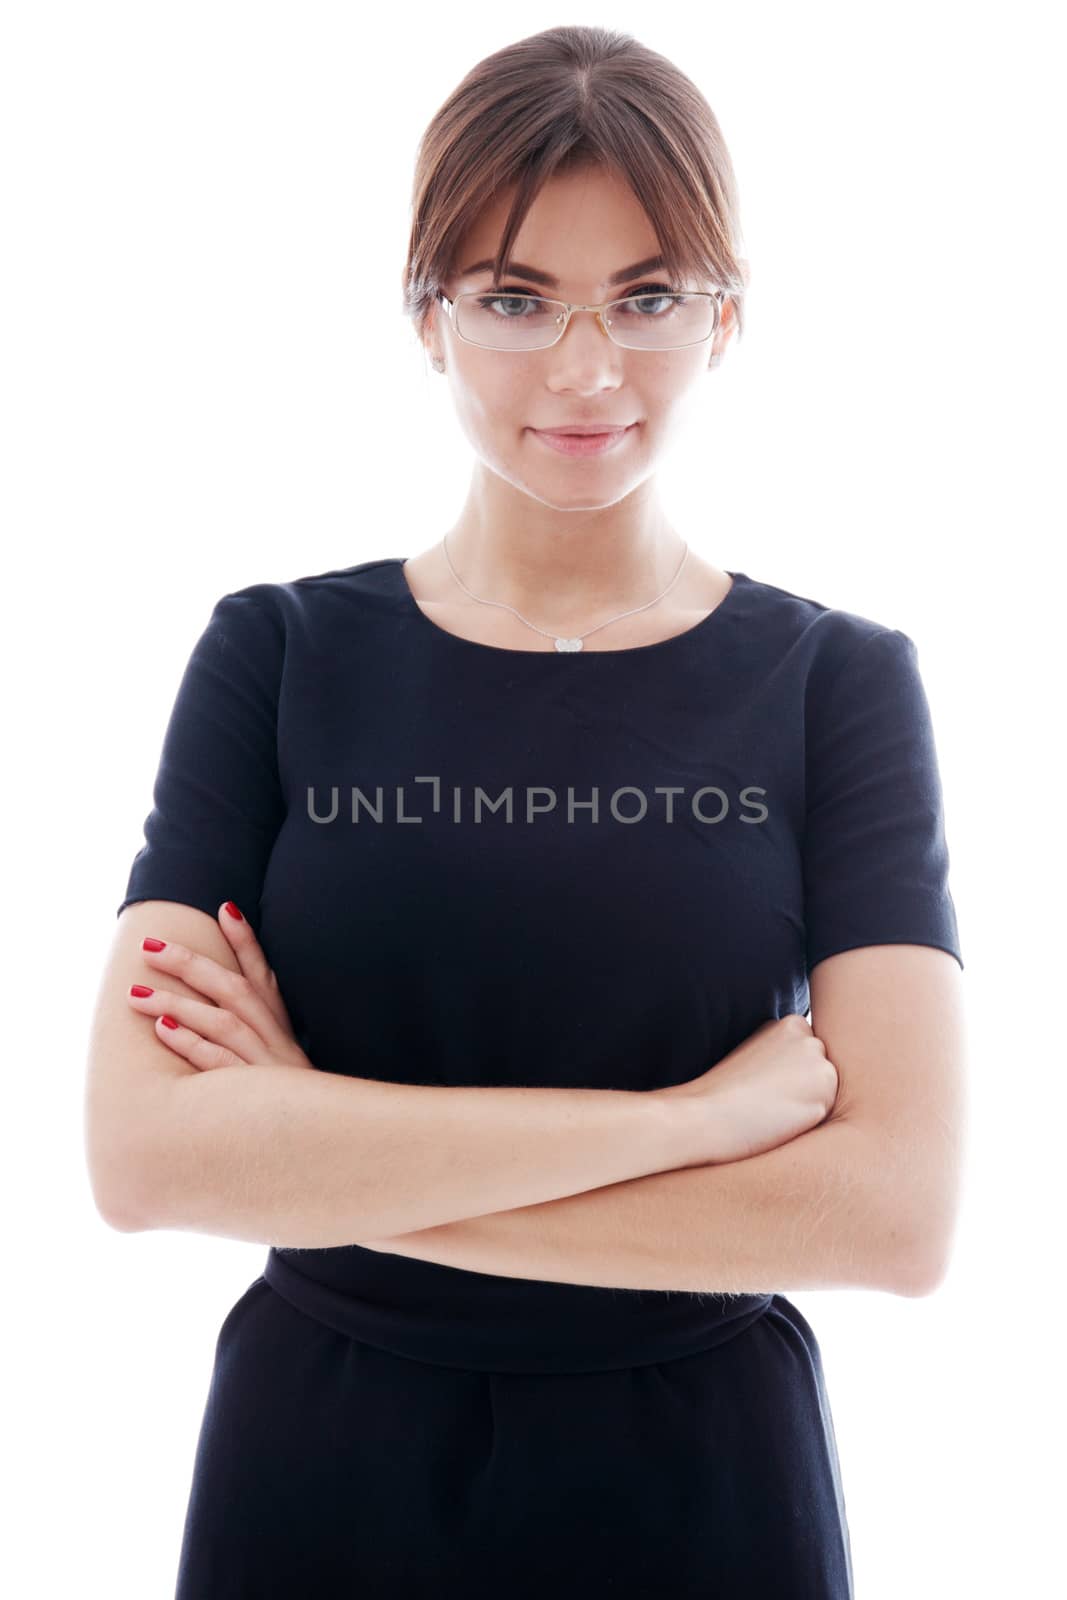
[572, 443]
[591, 427]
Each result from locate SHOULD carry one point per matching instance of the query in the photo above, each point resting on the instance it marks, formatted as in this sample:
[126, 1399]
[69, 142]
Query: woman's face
[583, 228]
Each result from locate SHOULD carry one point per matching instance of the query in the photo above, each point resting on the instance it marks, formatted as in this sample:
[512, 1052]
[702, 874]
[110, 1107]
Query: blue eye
[488, 301]
[529, 305]
[653, 291]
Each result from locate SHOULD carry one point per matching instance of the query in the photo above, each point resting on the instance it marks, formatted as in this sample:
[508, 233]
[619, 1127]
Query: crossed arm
[808, 1214]
[867, 1199]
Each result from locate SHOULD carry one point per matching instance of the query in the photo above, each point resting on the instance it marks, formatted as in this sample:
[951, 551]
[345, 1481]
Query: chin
[580, 500]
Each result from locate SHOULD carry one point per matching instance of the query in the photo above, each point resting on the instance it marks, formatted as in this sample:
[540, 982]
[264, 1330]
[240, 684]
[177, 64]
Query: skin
[570, 542]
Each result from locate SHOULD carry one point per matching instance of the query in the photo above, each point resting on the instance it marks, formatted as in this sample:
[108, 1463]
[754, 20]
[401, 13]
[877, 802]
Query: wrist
[674, 1124]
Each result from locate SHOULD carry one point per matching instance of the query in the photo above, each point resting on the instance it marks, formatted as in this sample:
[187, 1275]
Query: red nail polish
[141, 990]
[232, 909]
[168, 1022]
[153, 944]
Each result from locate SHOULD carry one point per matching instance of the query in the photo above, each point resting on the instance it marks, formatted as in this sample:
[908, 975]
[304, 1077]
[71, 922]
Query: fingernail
[232, 909]
[153, 944]
[168, 1022]
[141, 990]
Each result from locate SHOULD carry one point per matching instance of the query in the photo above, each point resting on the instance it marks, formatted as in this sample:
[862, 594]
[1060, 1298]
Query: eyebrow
[534, 274]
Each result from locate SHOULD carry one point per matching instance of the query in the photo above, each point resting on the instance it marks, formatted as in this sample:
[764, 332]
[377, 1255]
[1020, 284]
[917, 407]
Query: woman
[559, 806]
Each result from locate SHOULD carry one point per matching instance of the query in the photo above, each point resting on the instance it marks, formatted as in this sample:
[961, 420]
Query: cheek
[681, 391]
[494, 419]
[495, 402]
[678, 375]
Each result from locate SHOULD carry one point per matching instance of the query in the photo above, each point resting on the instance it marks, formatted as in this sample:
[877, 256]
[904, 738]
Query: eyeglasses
[515, 321]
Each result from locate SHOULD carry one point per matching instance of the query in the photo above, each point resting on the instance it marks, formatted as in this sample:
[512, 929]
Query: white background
[207, 382]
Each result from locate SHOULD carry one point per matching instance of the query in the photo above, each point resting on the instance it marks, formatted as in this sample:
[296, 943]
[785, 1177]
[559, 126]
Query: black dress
[474, 865]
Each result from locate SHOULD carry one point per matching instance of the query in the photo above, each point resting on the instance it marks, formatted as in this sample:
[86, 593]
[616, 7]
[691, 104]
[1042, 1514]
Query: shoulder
[366, 580]
[309, 607]
[822, 640]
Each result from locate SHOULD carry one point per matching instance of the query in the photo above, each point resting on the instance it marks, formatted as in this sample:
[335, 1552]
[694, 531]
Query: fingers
[227, 1040]
[231, 991]
[238, 933]
[200, 1053]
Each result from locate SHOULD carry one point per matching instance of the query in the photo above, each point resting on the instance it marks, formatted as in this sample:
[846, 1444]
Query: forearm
[813, 1213]
[309, 1159]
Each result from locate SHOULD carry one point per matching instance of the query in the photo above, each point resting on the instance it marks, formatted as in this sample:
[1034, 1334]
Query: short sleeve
[217, 800]
[875, 857]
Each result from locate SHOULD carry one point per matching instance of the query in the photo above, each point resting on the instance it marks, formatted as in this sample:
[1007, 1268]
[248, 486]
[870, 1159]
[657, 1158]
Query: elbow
[121, 1221]
[921, 1277]
[918, 1221]
[121, 1155]
[116, 1194]
[926, 1260]
[923, 1281]
[117, 1211]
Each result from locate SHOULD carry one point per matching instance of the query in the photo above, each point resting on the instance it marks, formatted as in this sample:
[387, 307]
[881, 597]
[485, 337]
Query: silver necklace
[567, 645]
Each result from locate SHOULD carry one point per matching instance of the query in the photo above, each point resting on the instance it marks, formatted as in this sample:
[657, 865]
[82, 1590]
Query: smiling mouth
[583, 444]
[584, 428]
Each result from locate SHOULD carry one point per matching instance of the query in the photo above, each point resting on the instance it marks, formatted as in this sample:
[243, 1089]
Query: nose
[584, 344]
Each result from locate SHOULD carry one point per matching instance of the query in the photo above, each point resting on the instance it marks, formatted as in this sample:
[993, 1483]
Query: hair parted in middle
[562, 101]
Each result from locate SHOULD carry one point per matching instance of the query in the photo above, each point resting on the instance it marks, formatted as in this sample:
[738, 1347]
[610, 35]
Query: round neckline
[737, 579]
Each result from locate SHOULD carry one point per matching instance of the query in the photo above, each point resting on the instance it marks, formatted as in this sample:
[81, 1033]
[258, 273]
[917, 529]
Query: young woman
[539, 837]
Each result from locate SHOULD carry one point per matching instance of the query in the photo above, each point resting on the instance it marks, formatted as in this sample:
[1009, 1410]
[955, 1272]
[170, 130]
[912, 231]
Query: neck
[572, 575]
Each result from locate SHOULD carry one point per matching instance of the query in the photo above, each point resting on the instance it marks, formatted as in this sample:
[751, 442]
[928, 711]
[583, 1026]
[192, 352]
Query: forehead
[548, 280]
[586, 230]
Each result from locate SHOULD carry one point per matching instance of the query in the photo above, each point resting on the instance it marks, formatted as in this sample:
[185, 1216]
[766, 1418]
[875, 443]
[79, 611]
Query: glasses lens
[641, 322]
[509, 321]
[662, 321]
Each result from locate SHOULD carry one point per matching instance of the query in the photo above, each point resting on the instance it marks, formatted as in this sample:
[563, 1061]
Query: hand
[778, 1083]
[243, 1021]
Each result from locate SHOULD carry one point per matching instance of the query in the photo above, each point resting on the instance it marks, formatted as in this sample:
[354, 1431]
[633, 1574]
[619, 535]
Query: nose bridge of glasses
[600, 312]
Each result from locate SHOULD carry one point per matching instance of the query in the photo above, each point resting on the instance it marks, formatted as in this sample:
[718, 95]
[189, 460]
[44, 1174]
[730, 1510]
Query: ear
[723, 333]
[429, 337]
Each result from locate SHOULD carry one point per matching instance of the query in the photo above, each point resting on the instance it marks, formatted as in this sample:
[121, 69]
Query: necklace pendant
[568, 644]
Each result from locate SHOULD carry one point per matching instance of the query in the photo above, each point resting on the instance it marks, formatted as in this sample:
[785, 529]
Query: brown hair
[565, 99]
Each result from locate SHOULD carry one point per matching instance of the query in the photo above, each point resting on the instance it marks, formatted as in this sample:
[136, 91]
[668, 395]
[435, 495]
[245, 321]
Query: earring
[437, 364]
